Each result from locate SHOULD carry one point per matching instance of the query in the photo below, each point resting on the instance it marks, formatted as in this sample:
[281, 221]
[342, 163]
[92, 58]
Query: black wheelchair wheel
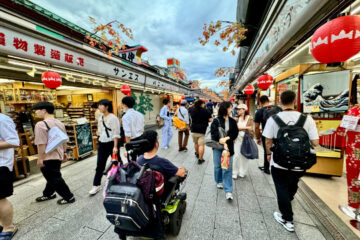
[176, 219]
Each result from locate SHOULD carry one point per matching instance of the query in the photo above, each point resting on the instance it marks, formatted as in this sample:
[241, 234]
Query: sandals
[63, 201]
[8, 235]
[45, 198]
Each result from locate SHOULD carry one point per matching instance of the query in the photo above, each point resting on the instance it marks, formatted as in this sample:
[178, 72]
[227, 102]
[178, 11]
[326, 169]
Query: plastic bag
[225, 159]
[248, 147]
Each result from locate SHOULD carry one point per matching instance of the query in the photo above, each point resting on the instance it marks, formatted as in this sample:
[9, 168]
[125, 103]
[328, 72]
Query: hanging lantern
[337, 40]
[264, 81]
[51, 79]
[249, 89]
[125, 89]
[231, 99]
[183, 97]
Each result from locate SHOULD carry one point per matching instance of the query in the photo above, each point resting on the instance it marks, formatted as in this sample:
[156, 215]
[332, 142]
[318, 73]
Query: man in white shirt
[132, 121]
[9, 139]
[285, 180]
[183, 115]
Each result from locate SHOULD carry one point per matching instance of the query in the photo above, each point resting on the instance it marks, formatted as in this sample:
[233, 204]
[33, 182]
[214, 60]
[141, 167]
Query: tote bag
[212, 143]
[56, 137]
[248, 147]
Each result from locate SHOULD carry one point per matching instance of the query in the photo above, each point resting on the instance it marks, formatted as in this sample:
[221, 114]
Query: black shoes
[63, 201]
[45, 198]
[201, 161]
[196, 155]
[267, 171]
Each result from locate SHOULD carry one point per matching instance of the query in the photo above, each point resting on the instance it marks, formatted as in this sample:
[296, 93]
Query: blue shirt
[164, 166]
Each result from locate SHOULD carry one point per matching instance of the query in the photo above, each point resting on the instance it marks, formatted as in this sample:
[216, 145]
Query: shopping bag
[248, 147]
[56, 137]
[212, 143]
[225, 159]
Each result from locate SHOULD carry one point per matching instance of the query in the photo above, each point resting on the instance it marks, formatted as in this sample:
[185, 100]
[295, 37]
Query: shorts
[198, 138]
[6, 182]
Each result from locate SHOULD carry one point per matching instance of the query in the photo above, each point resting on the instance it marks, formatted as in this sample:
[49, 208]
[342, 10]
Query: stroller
[129, 205]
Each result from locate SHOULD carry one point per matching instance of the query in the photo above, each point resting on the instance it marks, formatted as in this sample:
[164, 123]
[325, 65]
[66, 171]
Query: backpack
[270, 111]
[124, 202]
[292, 147]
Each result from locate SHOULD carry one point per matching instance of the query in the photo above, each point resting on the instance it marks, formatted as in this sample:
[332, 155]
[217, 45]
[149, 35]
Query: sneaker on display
[94, 190]
[220, 185]
[234, 176]
[229, 196]
[286, 224]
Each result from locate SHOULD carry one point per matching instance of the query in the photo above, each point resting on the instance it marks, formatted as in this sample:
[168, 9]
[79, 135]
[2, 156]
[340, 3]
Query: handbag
[159, 121]
[212, 143]
[248, 147]
[178, 123]
[56, 137]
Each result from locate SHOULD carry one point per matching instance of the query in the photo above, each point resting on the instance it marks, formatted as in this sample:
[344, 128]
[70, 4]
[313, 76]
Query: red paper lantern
[337, 40]
[125, 89]
[264, 81]
[183, 97]
[249, 89]
[51, 79]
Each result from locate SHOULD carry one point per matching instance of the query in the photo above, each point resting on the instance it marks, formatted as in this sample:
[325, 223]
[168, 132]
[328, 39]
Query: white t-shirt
[8, 134]
[290, 118]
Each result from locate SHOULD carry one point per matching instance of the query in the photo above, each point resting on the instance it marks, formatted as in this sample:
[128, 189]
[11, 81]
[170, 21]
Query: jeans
[54, 180]
[266, 162]
[167, 134]
[222, 175]
[286, 185]
[104, 151]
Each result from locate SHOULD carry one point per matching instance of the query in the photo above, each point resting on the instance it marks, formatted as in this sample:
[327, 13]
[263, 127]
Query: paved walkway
[208, 214]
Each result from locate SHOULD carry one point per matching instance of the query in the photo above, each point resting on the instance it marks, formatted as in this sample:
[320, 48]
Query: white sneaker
[286, 224]
[229, 196]
[220, 185]
[165, 148]
[234, 176]
[241, 175]
[94, 190]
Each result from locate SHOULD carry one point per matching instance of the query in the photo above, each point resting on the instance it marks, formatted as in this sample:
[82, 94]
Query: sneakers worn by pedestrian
[234, 176]
[196, 155]
[229, 196]
[241, 175]
[45, 198]
[181, 149]
[267, 171]
[201, 161]
[185, 149]
[63, 201]
[286, 224]
[220, 185]
[94, 190]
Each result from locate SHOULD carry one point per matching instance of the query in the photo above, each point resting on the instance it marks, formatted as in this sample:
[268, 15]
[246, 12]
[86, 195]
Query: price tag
[349, 122]
[315, 108]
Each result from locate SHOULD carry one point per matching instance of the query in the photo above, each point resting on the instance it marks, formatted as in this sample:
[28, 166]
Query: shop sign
[292, 17]
[19, 44]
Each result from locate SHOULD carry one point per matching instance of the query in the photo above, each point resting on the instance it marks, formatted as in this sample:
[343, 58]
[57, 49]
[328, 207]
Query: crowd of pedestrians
[224, 123]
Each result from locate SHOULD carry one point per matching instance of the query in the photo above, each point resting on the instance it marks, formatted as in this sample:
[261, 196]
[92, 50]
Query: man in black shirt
[200, 119]
[259, 119]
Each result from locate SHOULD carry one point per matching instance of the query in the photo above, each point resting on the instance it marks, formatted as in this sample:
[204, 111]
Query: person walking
[50, 163]
[166, 130]
[286, 179]
[9, 139]
[132, 120]
[183, 115]
[210, 106]
[223, 176]
[200, 118]
[215, 110]
[261, 116]
[245, 123]
[109, 135]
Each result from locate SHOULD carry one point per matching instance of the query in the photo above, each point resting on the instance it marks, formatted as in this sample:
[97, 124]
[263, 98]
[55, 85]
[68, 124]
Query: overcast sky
[167, 28]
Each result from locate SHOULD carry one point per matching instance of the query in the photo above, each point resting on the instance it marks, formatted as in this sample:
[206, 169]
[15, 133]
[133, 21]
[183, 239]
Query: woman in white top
[245, 123]
[109, 134]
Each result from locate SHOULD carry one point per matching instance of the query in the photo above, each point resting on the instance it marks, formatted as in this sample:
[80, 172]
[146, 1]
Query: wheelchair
[170, 206]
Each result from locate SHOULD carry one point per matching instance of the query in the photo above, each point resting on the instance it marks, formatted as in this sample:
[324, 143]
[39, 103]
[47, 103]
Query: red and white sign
[51, 79]
[249, 89]
[337, 40]
[264, 81]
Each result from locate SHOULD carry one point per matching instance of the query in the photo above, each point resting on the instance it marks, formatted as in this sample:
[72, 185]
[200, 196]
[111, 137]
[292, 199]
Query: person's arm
[250, 126]
[126, 126]
[315, 143]
[214, 130]
[257, 133]
[9, 134]
[181, 172]
[163, 114]
[41, 155]
[115, 129]
[268, 143]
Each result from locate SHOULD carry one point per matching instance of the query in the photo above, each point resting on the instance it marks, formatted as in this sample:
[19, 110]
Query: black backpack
[270, 111]
[292, 147]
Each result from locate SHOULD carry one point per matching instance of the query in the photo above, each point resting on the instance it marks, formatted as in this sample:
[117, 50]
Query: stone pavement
[208, 214]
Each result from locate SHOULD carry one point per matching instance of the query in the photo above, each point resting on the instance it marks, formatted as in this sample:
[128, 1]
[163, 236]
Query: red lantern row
[264, 81]
[125, 89]
[337, 40]
[51, 79]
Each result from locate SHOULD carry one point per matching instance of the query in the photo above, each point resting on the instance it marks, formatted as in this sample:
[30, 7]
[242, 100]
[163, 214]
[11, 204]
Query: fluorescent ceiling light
[6, 81]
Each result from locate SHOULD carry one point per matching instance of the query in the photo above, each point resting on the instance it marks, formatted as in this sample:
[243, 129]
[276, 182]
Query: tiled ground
[208, 214]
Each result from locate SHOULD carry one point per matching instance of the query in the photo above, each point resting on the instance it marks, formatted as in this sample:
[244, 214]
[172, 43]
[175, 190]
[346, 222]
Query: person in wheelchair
[164, 166]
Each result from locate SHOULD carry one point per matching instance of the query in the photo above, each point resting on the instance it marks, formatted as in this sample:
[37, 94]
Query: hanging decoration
[51, 79]
[125, 89]
[249, 90]
[264, 81]
[337, 40]
[183, 97]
